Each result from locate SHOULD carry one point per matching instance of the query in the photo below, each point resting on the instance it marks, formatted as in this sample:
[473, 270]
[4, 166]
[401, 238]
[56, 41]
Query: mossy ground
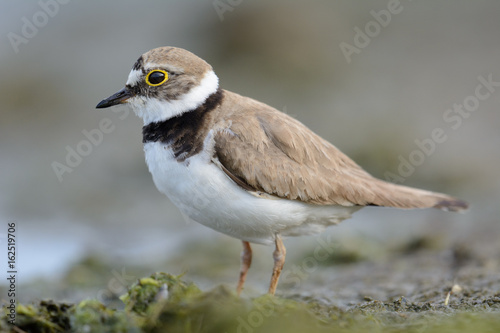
[359, 287]
[166, 303]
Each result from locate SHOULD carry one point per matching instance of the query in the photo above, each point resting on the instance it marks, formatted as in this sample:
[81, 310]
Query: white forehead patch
[134, 77]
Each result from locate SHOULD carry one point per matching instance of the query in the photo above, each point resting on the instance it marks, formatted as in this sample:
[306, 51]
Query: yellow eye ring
[156, 77]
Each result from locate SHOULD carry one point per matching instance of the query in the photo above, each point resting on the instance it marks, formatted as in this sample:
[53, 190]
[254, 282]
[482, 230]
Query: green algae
[93, 316]
[184, 308]
[158, 289]
[48, 316]
[165, 303]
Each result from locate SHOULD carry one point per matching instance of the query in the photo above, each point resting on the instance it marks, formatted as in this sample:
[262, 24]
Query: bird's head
[164, 83]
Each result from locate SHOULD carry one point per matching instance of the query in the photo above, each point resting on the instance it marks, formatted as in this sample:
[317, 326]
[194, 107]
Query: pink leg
[279, 261]
[246, 261]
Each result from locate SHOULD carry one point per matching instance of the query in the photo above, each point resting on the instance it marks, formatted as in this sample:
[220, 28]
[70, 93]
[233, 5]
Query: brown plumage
[269, 151]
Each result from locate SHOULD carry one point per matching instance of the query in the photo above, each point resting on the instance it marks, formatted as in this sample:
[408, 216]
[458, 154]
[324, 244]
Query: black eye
[156, 77]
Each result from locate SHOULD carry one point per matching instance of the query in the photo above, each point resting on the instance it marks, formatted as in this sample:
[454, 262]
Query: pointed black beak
[118, 98]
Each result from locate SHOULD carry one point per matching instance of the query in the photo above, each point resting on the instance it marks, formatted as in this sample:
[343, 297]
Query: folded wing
[268, 151]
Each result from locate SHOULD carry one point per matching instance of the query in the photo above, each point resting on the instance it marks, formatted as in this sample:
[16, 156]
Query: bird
[243, 168]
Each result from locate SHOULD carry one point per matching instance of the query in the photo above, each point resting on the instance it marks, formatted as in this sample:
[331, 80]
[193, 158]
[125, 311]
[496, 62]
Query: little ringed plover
[261, 174]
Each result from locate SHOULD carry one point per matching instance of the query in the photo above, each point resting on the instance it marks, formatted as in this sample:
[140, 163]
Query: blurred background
[369, 83]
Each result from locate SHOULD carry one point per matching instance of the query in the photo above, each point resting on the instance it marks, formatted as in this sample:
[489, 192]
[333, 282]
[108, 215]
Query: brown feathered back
[266, 150]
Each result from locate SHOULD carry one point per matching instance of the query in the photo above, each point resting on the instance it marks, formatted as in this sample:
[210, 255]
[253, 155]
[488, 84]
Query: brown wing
[266, 150]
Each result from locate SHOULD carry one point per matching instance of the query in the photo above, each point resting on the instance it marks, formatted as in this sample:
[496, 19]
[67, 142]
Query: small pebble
[162, 293]
[456, 289]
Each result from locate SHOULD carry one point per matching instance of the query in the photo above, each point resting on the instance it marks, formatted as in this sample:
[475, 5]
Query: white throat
[153, 110]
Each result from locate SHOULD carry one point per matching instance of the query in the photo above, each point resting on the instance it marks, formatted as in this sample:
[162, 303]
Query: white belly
[203, 192]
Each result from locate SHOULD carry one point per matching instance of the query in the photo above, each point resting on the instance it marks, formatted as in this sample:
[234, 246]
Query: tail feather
[398, 196]
[453, 205]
